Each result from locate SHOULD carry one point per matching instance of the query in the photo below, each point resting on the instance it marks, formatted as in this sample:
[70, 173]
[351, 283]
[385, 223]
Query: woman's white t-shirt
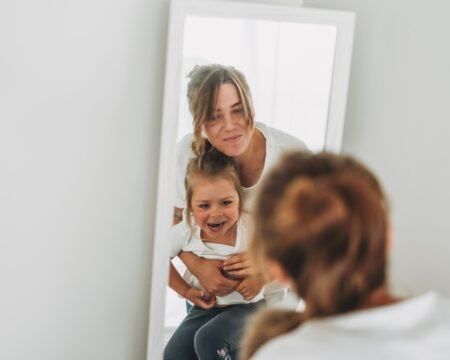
[417, 328]
[277, 142]
[183, 239]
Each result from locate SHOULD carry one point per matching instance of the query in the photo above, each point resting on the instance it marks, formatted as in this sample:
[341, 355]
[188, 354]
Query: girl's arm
[209, 273]
[196, 296]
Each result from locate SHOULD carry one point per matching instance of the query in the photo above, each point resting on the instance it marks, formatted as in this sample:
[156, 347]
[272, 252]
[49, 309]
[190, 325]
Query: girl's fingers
[234, 259]
[237, 265]
[206, 304]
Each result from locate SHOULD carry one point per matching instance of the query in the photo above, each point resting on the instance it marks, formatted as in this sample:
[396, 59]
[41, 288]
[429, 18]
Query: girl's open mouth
[216, 226]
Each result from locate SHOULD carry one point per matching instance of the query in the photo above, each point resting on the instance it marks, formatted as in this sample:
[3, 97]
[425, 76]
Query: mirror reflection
[251, 90]
[288, 67]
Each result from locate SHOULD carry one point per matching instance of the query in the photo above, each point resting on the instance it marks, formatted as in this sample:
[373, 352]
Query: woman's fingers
[224, 287]
[226, 283]
[241, 273]
[240, 287]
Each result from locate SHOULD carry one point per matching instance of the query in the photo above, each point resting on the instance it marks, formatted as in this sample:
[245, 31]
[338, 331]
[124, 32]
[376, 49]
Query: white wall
[398, 121]
[80, 106]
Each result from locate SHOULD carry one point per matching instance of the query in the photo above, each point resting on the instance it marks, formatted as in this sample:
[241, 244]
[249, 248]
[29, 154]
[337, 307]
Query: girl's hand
[251, 286]
[209, 273]
[240, 265]
[200, 298]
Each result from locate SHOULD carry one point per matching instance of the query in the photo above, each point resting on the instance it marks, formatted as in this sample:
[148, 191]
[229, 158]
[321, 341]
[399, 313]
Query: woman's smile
[233, 139]
[229, 131]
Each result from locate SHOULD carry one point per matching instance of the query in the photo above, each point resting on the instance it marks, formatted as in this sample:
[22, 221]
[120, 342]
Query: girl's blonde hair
[203, 86]
[214, 165]
[323, 218]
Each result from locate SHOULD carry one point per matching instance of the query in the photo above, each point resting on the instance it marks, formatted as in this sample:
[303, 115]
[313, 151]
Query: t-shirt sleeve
[179, 237]
[290, 142]
[282, 141]
[184, 154]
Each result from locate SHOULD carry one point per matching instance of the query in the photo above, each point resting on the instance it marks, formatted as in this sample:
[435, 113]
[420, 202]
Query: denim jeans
[210, 334]
[189, 306]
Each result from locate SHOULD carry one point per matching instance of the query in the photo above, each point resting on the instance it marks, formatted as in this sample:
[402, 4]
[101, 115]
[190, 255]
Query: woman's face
[215, 206]
[228, 130]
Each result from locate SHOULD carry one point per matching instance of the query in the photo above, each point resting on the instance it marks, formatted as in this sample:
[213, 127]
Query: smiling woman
[223, 118]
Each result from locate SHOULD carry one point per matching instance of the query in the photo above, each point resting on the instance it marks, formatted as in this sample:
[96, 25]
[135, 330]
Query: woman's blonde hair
[203, 86]
[213, 165]
[323, 219]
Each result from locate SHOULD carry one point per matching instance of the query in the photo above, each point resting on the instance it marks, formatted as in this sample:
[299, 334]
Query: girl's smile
[215, 208]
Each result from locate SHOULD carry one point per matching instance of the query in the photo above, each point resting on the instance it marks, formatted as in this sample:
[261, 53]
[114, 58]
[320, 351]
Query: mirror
[296, 62]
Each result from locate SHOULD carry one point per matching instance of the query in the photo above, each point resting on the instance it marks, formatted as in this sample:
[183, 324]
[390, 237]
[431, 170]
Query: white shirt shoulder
[280, 139]
[180, 235]
[184, 153]
[416, 328]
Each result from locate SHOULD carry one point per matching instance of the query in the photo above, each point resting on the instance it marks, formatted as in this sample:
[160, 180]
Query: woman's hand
[251, 286]
[208, 272]
[200, 298]
[240, 265]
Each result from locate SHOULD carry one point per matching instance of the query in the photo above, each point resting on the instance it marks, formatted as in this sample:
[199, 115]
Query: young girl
[213, 229]
[321, 225]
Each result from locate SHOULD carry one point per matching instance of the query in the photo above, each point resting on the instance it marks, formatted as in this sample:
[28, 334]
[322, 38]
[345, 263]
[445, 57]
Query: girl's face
[228, 130]
[215, 206]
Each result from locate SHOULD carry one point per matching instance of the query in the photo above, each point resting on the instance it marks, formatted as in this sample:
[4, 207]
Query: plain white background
[80, 113]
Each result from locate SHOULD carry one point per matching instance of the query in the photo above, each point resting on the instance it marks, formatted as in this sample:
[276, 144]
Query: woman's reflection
[224, 124]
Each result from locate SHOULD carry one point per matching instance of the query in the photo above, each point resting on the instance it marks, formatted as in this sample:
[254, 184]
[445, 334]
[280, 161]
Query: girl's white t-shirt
[183, 239]
[417, 328]
[277, 142]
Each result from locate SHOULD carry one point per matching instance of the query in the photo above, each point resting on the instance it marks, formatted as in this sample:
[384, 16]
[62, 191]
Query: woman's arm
[209, 273]
[196, 296]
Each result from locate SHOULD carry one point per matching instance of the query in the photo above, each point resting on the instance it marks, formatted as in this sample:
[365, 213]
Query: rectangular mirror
[296, 61]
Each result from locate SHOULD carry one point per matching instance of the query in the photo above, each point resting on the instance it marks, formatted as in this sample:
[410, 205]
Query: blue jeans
[188, 307]
[210, 334]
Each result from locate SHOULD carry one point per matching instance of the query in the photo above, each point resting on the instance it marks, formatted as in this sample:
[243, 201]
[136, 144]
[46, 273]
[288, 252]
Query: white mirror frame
[179, 9]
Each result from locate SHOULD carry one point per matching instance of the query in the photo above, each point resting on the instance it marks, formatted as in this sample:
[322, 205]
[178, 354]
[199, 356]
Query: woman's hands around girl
[209, 273]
